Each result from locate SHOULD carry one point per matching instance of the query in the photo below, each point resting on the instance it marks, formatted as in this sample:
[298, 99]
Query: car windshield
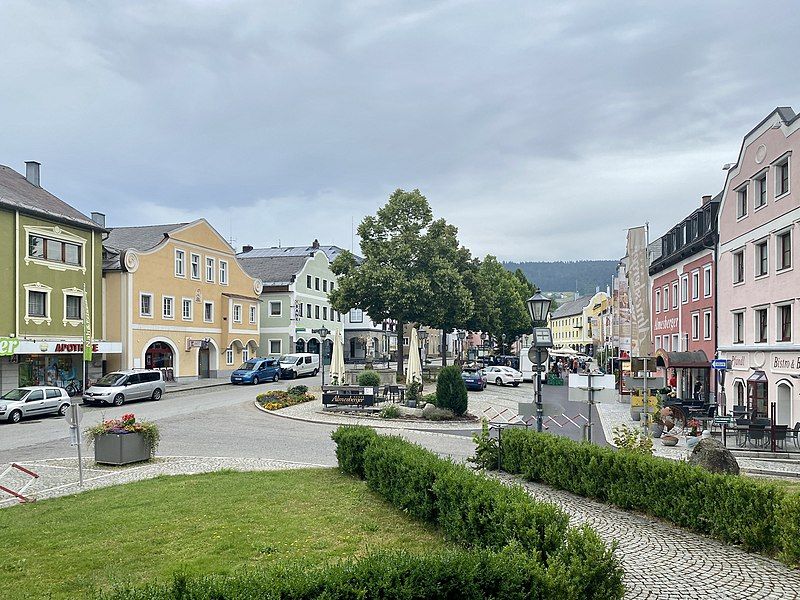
[15, 394]
[288, 358]
[250, 365]
[110, 380]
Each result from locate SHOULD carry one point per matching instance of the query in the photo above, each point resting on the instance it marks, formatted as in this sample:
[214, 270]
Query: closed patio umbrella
[414, 369]
[337, 370]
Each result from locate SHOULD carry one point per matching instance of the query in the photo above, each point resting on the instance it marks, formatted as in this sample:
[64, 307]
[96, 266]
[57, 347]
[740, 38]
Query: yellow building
[178, 300]
[578, 324]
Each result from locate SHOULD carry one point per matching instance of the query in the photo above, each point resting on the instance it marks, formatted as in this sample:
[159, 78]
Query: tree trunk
[399, 347]
[444, 348]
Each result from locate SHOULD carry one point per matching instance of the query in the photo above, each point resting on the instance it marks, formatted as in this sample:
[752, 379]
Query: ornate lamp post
[323, 332]
[423, 347]
[462, 335]
[539, 307]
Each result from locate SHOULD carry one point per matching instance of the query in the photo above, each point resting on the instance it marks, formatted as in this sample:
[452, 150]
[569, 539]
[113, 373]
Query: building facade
[758, 289]
[51, 271]
[579, 324]
[365, 339]
[178, 300]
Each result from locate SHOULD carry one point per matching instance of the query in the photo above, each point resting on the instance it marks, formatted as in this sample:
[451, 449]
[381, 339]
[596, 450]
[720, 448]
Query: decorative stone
[669, 440]
[713, 456]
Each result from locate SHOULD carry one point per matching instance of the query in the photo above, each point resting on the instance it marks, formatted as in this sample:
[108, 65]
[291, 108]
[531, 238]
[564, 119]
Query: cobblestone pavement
[663, 562]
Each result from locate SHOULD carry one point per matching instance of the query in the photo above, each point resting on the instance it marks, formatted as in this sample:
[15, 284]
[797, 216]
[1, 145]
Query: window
[316, 311]
[168, 307]
[356, 315]
[275, 308]
[675, 295]
[54, 250]
[186, 309]
[666, 298]
[145, 305]
[707, 282]
[237, 313]
[666, 343]
[738, 266]
[785, 323]
[308, 311]
[784, 250]
[762, 266]
[180, 263]
[675, 343]
[405, 342]
[195, 266]
[331, 286]
[316, 283]
[324, 285]
[761, 325]
[210, 268]
[72, 308]
[245, 355]
[658, 342]
[761, 191]
[339, 317]
[252, 314]
[324, 313]
[208, 312]
[738, 328]
[741, 202]
[229, 356]
[707, 325]
[308, 281]
[696, 326]
[782, 177]
[275, 347]
[684, 289]
[37, 304]
[658, 301]
[695, 285]
[223, 272]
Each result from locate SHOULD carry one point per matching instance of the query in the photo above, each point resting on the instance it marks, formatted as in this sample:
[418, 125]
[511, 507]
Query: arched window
[300, 345]
[738, 392]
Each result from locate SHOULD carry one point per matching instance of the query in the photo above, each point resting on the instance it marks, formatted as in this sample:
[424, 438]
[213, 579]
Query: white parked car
[33, 401]
[503, 375]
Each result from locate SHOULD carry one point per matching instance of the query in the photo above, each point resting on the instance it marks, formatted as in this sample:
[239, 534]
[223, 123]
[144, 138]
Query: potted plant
[694, 431]
[124, 440]
[656, 426]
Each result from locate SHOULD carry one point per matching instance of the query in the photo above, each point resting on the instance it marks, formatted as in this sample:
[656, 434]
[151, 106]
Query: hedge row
[481, 513]
[758, 515]
[453, 574]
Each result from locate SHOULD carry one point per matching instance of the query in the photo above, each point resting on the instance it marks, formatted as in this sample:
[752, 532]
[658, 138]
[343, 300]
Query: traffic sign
[74, 415]
[534, 354]
[721, 364]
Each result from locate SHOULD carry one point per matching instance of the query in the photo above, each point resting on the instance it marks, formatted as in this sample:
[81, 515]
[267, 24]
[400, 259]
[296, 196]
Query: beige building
[580, 325]
[178, 300]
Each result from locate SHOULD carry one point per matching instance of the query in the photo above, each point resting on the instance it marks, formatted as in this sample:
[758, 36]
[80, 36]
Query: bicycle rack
[19, 494]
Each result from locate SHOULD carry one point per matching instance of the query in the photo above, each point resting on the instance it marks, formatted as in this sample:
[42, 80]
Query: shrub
[297, 390]
[438, 414]
[351, 441]
[789, 529]
[630, 440]
[486, 448]
[368, 378]
[450, 390]
[413, 391]
[429, 399]
[390, 412]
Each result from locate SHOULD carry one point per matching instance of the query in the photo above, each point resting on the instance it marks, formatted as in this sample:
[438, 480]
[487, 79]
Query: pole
[646, 397]
[591, 401]
[539, 410]
[74, 411]
[322, 360]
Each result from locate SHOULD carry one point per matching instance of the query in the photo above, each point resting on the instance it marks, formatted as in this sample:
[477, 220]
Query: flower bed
[277, 399]
[126, 424]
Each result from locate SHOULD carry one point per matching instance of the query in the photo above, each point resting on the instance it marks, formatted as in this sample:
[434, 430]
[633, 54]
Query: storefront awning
[758, 377]
[682, 360]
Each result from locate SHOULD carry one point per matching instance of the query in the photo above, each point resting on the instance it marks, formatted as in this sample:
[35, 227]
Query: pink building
[758, 289]
[683, 299]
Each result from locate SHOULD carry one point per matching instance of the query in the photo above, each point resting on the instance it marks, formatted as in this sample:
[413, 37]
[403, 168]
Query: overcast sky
[542, 130]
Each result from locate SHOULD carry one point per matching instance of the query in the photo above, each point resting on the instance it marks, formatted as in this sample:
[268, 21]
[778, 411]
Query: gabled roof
[571, 308]
[274, 270]
[330, 251]
[17, 193]
[144, 237]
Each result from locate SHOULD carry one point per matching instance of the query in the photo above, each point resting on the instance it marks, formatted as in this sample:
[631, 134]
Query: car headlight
[3, 407]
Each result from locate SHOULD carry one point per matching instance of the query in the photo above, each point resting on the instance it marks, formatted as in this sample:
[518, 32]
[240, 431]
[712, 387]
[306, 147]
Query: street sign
[542, 337]
[721, 364]
[74, 415]
[534, 354]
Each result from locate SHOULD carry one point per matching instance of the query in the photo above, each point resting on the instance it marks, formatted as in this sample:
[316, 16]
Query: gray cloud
[541, 130]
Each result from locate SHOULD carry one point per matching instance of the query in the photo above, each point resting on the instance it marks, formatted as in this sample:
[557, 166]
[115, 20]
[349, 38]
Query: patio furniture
[741, 427]
[739, 411]
[757, 435]
[795, 433]
[780, 435]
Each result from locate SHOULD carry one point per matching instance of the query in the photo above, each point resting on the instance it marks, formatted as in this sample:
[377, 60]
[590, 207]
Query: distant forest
[583, 275]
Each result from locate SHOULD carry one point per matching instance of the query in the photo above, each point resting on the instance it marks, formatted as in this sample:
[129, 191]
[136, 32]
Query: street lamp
[462, 335]
[323, 332]
[539, 307]
[422, 335]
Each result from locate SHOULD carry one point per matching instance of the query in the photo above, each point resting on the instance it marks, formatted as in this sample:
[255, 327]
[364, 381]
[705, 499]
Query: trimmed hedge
[480, 513]
[758, 515]
[368, 378]
[451, 391]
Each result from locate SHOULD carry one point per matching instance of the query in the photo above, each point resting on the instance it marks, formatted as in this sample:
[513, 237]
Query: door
[203, 363]
[135, 389]
[262, 372]
[52, 399]
[34, 404]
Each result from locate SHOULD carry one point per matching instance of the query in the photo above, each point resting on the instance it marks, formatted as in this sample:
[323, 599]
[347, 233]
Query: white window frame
[180, 263]
[741, 193]
[194, 266]
[316, 311]
[223, 272]
[707, 325]
[205, 305]
[229, 356]
[237, 310]
[142, 314]
[757, 310]
[245, 354]
[280, 346]
[73, 293]
[695, 326]
[309, 282]
[779, 251]
[308, 311]
[762, 243]
[783, 160]
[279, 303]
[184, 303]
[665, 305]
[658, 342]
[676, 342]
[684, 289]
[708, 282]
[658, 301]
[675, 297]
[42, 289]
[760, 185]
[252, 314]
[738, 318]
[735, 255]
[696, 284]
[211, 268]
[171, 315]
[779, 325]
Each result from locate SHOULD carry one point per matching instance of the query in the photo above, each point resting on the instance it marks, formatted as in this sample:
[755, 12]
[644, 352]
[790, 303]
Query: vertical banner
[87, 330]
[639, 288]
[621, 330]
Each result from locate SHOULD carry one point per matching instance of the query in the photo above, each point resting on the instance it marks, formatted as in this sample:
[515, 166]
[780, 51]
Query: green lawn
[215, 522]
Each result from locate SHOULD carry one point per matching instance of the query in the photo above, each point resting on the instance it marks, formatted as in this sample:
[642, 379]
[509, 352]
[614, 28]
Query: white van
[526, 366]
[298, 365]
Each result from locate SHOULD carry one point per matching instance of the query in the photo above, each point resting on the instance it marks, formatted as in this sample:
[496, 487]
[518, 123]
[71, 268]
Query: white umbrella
[414, 369]
[564, 351]
[337, 359]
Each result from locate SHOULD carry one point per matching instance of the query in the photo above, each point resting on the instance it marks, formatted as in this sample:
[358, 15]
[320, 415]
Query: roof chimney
[247, 248]
[315, 245]
[32, 172]
[706, 200]
[99, 218]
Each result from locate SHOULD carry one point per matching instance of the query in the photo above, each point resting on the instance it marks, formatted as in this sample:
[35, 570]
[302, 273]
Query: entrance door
[203, 362]
[783, 407]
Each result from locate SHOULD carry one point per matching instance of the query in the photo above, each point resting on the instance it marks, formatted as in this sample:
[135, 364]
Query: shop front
[764, 383]
[688, 374]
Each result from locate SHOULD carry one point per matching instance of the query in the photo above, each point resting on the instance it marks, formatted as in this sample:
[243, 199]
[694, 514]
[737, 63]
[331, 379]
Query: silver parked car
[119, 387]
[33, 401]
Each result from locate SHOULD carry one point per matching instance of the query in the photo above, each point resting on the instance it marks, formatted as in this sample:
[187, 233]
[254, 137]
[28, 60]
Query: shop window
[757, 395]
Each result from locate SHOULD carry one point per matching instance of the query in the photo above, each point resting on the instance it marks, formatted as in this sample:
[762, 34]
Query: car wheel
[275, 378]
[157, 394]
[62, 410]
[119, 400]
[515, 384]
[255, 380]
[314, 374]
[15, 416]
[498, 381]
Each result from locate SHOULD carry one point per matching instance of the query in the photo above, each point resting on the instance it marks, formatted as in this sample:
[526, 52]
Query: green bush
[351, 442]
[732, 508]
[413, 393]
[429, 399]
[368, 378]
[438, 414]
[789, 529]
[389, 412]
[297, 390]
[451, 392]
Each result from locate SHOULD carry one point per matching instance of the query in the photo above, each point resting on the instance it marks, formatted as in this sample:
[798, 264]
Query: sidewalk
[197, 385]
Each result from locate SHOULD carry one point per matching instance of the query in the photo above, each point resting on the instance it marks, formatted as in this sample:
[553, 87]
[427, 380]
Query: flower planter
[121, 448]
[669, 440]
[656, 429]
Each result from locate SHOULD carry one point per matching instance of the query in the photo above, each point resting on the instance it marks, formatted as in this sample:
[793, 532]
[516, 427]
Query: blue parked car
[474, 380]
[257, 370]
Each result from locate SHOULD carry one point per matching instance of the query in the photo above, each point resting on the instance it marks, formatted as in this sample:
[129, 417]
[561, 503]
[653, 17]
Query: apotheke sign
[9, 346]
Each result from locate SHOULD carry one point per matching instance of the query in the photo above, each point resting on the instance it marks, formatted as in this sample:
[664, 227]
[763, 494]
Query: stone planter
[656, 429]
[121, 448]
[669, 440]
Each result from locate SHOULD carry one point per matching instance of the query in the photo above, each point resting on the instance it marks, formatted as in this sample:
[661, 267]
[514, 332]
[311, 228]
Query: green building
[50, 257]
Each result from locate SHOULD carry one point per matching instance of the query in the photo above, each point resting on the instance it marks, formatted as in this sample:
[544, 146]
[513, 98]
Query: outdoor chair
[795, 433]
[756, 435]
[780, 435]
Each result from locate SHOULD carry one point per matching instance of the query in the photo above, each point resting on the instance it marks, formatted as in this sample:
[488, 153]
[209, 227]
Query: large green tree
[410, 269]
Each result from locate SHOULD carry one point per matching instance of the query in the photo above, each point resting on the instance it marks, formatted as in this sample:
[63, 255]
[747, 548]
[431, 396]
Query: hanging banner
[621, 328]
[639, 288]
[87, 330]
